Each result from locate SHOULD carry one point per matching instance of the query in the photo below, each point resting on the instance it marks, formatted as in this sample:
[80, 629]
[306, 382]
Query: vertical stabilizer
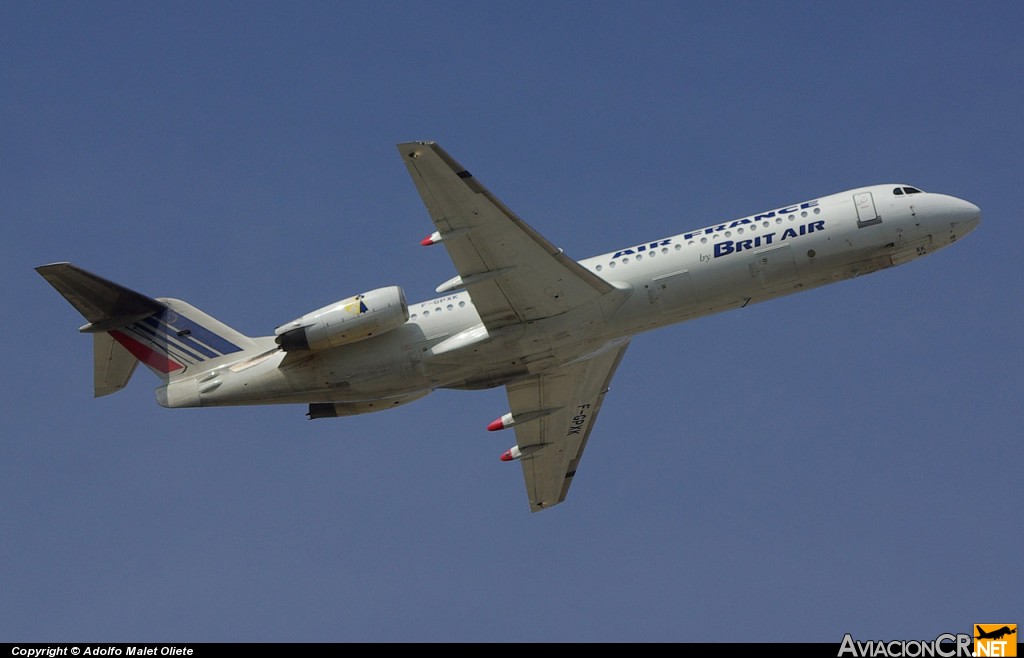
[113, 365]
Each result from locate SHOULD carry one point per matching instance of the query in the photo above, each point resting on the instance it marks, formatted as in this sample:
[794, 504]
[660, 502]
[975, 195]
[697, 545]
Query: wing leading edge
[563, 404]
[512, 273]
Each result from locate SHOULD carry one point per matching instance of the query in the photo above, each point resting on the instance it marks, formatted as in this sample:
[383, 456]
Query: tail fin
[169, 336]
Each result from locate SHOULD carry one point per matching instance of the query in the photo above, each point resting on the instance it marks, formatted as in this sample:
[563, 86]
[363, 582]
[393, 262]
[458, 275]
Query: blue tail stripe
[170, 334]
[164, 340]
[180, 323]
[147, 335]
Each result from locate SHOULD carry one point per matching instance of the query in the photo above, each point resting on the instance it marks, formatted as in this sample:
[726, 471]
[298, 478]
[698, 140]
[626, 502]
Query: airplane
[519, 313]
[996, 634]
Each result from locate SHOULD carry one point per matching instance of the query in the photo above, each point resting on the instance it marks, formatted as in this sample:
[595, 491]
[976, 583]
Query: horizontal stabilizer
[105, 304]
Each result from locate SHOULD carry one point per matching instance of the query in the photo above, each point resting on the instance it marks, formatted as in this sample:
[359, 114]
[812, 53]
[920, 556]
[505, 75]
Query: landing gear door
[866, 213]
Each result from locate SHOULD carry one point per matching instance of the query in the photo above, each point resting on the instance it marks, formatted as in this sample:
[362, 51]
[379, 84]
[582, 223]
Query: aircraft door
[867, 215]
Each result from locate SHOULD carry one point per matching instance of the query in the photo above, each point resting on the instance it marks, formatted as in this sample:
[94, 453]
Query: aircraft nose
[966, 216]
[963, 215]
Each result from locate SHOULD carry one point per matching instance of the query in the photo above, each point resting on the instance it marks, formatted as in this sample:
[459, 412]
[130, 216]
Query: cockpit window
[911, 190]
[898, 191]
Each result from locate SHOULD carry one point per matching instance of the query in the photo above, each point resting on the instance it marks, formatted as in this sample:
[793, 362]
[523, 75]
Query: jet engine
[348, 321]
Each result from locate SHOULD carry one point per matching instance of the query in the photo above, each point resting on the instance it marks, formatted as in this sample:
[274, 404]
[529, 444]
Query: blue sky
[845, 460]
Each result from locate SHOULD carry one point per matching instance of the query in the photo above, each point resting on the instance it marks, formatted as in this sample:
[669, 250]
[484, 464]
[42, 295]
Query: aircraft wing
[559, 408]
[512, 273]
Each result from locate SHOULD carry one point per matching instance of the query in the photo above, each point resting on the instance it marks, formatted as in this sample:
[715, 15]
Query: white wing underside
[512, 272]
[564, 403]
[513, 275]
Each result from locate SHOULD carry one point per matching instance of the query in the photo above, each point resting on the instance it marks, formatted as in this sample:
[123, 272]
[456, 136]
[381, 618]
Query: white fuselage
[661, 282]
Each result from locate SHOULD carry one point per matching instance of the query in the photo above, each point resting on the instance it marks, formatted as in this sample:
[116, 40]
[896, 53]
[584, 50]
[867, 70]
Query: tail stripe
[146, 354]
[148, 336]
[179, 336]
[161, 333]
[169, 342]
[180, 325]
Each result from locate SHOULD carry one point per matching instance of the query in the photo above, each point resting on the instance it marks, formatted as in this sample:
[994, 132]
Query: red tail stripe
[145, 354]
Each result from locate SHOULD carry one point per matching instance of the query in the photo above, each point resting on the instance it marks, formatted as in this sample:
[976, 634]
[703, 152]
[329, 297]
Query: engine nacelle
[348, 321]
